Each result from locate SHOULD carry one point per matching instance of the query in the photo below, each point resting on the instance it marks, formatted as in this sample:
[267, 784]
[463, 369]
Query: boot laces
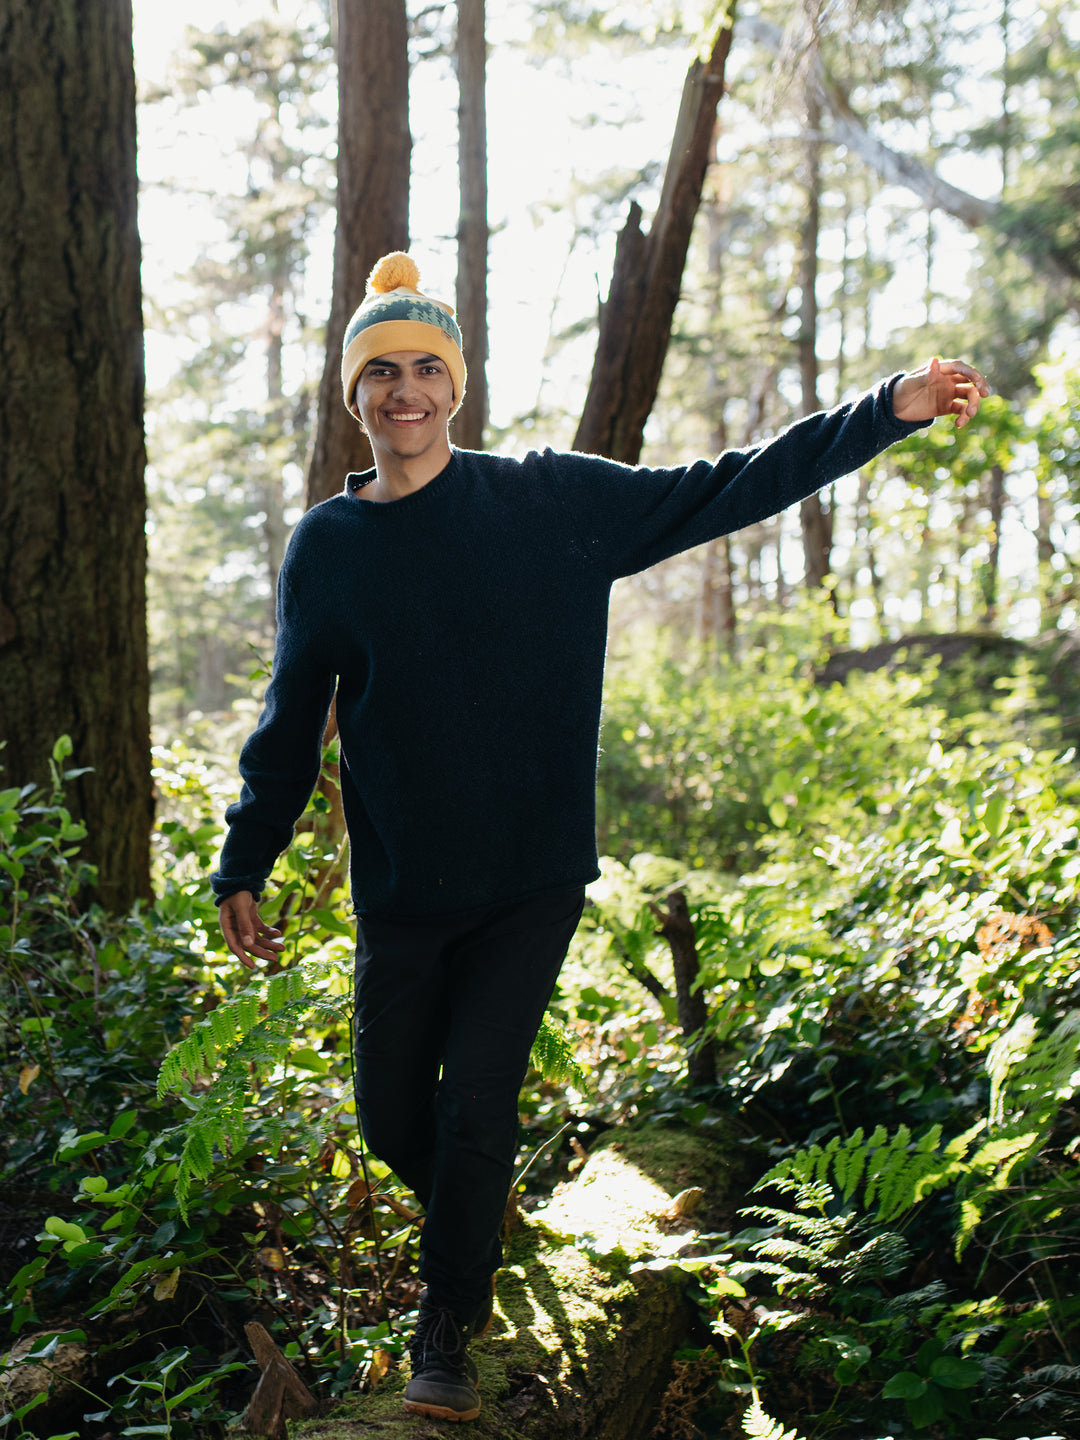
[441, 1333]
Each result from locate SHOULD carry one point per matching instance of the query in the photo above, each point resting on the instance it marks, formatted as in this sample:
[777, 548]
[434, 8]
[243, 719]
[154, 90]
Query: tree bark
[471, 420]
[374, 150]
[678, 930]
[815, 518]
[992, 568]
[635, 320]
[73, 648]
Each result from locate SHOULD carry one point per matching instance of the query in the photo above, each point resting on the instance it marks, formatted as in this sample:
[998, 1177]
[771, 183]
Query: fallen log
[588, 1317]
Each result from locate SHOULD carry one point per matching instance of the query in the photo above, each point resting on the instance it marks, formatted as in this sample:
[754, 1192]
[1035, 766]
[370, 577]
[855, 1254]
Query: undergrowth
[889, 958]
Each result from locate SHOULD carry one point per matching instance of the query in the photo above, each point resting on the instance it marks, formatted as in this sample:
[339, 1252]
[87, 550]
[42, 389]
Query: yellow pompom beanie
[395, 316]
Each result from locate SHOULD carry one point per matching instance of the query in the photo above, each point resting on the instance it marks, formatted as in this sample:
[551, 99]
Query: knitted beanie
[395, 316]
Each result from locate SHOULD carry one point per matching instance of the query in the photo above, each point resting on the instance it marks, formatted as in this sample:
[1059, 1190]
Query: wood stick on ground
[280, 1393]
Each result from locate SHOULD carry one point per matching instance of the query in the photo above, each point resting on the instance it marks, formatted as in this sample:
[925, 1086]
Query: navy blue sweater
[464, 628]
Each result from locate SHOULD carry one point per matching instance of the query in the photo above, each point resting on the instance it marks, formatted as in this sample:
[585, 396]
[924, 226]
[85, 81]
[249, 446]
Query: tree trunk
[580, 1347]
[635, 320]
[678, 930]
[374, 149]
[717, 617]
[815, 518]
[471, 420]
[1049, 609]
[73, 649]
[992, 568]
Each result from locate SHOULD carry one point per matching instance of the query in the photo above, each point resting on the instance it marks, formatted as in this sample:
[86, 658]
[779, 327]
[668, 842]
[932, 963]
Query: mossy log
[585, 1330]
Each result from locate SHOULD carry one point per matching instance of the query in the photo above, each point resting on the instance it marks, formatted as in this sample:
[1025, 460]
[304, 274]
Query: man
[457, 603]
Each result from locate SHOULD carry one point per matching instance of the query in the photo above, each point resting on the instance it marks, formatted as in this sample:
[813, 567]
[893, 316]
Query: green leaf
[904, 1385]
[122, 1124]
[996, 815]
[72, 1145]
[955, 1372]
[65, 1230]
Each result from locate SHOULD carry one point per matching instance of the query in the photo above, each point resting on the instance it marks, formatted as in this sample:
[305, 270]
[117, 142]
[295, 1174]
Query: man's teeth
[407, 415]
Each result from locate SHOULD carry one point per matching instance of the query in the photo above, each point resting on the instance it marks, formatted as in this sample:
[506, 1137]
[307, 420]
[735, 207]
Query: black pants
[446, 1014]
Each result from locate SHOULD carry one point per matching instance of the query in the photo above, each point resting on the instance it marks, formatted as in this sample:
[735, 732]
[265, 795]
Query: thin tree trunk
[1044, 542]
[73, 649]
[992, 569]
[678, 930]
[864, 526]
[471, 420]
[274, 529]
[374, 150]
[815, 518]
[635, 320]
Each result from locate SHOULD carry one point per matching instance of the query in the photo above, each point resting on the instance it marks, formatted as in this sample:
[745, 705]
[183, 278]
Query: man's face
[404, 401]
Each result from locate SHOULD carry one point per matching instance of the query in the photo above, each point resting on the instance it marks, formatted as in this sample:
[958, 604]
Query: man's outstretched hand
[941, 387]
[246, 933]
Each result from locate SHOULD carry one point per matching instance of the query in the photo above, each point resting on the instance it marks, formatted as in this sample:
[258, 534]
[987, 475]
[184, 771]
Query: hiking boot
[443, 1383]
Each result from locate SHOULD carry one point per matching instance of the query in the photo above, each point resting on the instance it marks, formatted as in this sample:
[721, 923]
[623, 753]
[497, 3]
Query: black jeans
[446, 1013]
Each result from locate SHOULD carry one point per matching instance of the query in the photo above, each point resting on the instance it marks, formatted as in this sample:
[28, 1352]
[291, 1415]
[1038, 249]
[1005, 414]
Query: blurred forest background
[838, 923]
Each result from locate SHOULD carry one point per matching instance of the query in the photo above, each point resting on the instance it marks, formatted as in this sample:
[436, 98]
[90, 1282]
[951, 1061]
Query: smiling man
[457, 604]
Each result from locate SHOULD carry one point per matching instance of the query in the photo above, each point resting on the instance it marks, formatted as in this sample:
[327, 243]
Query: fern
[553, 1055]
[242, 1038]
[1030, 1078]
[249, 1035]
[898, 1171]
[759, 1426]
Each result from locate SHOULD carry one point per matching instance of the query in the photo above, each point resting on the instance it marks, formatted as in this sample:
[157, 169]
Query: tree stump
[280, 1394]
[588, 1317]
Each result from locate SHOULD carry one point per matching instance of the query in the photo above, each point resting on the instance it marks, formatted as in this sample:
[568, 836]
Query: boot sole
[439, 1412]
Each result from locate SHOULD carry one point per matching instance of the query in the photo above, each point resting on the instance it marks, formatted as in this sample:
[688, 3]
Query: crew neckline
[354, 491]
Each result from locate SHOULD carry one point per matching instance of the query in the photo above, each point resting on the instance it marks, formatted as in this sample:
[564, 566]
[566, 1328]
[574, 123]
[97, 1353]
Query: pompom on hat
[396, 316]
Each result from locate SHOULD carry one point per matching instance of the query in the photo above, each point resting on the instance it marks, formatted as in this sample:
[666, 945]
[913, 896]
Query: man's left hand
[941, 387]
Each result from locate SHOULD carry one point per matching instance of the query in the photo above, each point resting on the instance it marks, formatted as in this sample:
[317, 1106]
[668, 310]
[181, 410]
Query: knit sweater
[464, 628]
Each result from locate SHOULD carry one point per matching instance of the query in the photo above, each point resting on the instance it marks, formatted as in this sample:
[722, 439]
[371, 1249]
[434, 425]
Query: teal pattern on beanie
[399, 306]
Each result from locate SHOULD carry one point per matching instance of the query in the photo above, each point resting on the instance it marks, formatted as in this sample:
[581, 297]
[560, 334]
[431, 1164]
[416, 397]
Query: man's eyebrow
[394, 365]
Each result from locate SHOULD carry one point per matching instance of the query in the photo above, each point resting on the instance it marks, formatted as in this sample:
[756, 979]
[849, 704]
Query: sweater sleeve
[281, 759]
[637, 516]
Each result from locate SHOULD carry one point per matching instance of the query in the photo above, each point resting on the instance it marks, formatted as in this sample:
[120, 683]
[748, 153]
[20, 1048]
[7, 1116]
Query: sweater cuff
[223, 888]
[908, 427]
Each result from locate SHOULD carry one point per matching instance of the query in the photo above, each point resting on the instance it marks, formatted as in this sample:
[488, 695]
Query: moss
[582, 1344]
[676, 1157]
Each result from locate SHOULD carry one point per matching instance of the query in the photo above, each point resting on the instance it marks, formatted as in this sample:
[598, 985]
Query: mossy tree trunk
[73, 648]
[584, 1338]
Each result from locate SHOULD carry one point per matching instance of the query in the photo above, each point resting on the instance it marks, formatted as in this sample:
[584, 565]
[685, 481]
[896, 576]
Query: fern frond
[1030, 1078]
[1031, 1075]
[553, 1055]
[216, 1035]
[757, 1425]
[897, 1172]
